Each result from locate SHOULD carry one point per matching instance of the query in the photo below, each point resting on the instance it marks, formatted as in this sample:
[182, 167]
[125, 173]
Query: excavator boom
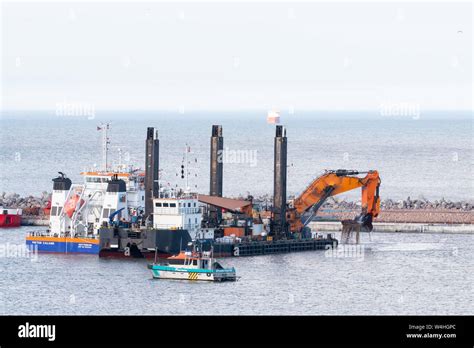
[333, 183]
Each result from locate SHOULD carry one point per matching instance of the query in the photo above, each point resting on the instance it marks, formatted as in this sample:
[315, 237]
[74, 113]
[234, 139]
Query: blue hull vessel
[63, 244]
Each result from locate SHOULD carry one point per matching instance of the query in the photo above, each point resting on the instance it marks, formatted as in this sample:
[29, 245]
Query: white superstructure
[81, 209]
[182, 212]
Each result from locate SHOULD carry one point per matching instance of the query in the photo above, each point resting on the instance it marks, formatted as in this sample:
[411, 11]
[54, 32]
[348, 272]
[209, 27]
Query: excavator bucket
[350, 232]
[351, 228]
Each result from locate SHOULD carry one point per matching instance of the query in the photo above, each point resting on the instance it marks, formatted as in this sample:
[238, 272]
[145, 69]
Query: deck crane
[331, 183]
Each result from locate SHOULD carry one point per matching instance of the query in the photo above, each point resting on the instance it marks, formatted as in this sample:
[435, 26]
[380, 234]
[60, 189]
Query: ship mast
[187, 167]
[104, 127]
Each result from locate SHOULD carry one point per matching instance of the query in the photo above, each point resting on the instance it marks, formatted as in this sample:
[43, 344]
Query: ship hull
[123, 254]
[63, 245]
[129, 243]
[167, 272]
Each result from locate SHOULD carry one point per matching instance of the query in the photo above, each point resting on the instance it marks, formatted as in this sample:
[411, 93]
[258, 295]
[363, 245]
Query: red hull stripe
[9, 220]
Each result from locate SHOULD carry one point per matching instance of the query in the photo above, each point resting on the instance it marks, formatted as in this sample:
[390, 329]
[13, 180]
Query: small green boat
[189, 265]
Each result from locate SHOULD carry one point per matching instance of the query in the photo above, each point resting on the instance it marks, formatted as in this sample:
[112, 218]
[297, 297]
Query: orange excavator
[331, 183]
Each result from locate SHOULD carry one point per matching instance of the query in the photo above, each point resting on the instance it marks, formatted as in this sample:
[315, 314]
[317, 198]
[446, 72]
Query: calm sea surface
[392, 274]
[432, 156]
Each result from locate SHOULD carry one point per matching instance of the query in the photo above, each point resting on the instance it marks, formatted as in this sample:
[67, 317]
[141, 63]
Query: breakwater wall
[390, 227]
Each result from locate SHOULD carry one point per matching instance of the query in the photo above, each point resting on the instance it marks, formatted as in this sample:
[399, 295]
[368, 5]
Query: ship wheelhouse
[183, 212]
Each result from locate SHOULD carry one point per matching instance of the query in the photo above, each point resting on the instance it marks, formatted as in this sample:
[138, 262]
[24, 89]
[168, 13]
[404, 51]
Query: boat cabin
[187, 259]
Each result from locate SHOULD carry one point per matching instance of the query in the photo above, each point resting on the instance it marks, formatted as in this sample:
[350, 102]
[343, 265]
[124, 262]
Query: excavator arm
[332, 183]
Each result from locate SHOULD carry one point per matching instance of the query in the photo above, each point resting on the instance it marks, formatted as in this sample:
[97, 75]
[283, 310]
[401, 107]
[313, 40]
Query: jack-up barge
[129, 214]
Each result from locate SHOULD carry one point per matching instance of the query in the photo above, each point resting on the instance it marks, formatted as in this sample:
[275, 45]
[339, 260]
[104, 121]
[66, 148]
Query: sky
[236, 56]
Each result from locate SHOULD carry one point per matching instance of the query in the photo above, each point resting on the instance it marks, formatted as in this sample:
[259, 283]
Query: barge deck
[272, 247]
